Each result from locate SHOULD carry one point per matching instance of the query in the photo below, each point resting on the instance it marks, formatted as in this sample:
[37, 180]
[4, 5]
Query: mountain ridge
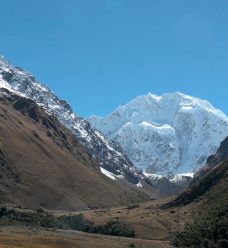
[108, 154]
[42, 164]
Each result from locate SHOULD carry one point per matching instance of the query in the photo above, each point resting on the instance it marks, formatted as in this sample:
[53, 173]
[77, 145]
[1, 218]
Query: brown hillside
[43, 165]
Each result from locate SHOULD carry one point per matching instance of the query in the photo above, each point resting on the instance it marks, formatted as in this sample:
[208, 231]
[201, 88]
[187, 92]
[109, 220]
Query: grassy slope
[59, 239]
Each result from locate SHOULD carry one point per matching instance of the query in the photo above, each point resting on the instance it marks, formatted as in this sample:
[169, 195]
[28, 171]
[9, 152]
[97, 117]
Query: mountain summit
[172, 133]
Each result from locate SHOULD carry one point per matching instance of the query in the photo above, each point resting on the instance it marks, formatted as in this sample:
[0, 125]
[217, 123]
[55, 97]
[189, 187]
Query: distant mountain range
[168, 134]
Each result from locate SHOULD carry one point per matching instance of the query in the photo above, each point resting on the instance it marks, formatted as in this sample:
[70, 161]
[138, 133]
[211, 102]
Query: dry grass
[69, 239]
[148, 220]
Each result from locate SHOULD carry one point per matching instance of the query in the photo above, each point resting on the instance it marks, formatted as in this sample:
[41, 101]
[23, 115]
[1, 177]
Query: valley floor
[149, 220]
[16, 238]
[152, 224]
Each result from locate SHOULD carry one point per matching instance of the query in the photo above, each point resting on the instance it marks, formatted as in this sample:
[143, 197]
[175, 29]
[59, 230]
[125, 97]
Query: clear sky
[99, 54]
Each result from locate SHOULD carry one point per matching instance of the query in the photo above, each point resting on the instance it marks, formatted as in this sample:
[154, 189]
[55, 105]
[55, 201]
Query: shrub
[39, 218]
[133, 206]
[76, 222]
[42, 218]
[114, 228]
[208, 230]
[2, 212]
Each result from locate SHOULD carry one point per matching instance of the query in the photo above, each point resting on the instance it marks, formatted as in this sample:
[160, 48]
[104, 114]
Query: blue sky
[99, 54]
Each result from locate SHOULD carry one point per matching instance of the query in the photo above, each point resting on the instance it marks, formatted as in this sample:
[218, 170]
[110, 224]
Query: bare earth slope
[43, 165]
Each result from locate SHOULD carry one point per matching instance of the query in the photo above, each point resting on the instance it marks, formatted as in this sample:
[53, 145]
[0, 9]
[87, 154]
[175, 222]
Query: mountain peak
[171, 133]
[177, 98]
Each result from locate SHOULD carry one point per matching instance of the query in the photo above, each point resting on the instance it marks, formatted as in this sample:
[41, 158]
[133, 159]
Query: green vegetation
[210, 227]
[211, 186]
[41, 218]
[209, 230]
[76, 222]
[114, 228]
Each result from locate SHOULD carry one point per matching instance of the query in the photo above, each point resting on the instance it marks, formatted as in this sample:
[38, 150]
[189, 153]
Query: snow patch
[153, 176]
[139, 185]
[180, 177]
[108, 174]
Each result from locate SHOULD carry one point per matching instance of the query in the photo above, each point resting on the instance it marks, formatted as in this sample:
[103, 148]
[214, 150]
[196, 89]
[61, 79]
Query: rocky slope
[168, 134]
[211, 182]
[108, 154]
[213, 161]
[42, 164]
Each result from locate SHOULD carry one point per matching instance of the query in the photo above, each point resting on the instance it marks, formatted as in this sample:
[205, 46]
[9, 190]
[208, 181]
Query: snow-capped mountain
[109, 155]
[168, 134]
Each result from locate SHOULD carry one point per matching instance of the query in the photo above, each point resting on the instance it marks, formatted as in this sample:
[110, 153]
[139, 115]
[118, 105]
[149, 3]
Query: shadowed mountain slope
[211, 182]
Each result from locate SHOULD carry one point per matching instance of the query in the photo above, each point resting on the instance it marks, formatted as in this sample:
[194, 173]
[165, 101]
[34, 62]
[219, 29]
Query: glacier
[169, 134]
